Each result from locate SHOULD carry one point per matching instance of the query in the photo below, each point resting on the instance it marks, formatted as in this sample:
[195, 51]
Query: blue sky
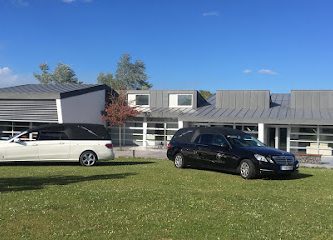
[186, 44]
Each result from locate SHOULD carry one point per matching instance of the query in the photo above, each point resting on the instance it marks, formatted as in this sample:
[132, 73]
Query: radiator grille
[283, 160]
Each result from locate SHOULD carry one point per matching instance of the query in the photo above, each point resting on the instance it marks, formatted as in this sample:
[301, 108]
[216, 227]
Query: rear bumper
[106, 156]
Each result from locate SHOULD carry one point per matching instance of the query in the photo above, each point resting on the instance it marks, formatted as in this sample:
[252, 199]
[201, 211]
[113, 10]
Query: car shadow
[122, 163]
[111, 163]
[282, 177]
[37, 183]
[293, 176]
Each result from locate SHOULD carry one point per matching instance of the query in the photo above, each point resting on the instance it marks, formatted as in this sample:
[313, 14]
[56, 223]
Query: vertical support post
[124, 134]
[277, 134]
[59, 111]
[288, 138]
[180, 124]
[165, 134]
[318, 140]
[144, 132]
[261, 132]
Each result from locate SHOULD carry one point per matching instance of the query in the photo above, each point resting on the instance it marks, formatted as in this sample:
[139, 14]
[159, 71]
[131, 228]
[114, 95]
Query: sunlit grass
[150, 199]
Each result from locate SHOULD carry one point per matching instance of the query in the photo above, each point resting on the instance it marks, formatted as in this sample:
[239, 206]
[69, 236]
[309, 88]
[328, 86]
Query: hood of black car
[267, 151]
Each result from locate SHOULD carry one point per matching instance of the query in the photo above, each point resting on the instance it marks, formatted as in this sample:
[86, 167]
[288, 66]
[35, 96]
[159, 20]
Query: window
[29, 136]
[52, 136]
[185, 100]
[206, 139]
[180, 100]
[212, 139]
[138, 100]
[142, 100]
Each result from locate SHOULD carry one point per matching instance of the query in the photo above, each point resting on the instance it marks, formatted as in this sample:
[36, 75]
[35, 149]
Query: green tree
[206, 94]
[108, 79]
[62, 74]
[45, 77]
[132, 75]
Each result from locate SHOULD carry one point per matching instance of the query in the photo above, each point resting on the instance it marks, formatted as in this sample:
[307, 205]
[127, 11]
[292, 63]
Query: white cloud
[247, 71]
[211, 14]
[267, 72]
[9, 78]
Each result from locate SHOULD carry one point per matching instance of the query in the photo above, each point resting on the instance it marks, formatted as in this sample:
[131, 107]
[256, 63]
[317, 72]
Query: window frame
[177, 102]
[144, 94]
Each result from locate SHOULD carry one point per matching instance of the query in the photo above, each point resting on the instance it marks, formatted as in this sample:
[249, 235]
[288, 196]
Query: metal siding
[28, 110]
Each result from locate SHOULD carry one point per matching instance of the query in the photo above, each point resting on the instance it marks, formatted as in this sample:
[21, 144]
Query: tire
[179, 161]
[247, 169]
[88, 158]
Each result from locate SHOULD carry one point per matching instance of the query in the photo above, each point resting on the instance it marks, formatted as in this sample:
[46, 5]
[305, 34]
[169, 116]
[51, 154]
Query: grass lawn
[151, 199]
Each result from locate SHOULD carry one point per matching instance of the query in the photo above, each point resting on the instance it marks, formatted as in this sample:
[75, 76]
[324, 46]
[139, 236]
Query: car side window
[205, 139]
[29, 136]
[48, 135]
[211, 139]
[219, 140]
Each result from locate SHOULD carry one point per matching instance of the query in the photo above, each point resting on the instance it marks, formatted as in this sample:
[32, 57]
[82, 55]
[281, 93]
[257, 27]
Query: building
[299, 121]
[30, 105]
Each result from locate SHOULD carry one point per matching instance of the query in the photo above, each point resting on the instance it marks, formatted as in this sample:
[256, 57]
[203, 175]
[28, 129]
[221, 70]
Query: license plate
[287, 167]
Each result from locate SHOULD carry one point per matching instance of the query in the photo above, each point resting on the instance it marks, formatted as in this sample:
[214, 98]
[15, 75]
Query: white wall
[85, 108]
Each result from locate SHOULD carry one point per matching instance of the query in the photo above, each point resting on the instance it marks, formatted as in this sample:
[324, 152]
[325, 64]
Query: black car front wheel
[247, 169]
[179, 161]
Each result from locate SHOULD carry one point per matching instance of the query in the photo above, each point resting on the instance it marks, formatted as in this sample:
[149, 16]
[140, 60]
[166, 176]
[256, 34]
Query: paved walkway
[140, 152]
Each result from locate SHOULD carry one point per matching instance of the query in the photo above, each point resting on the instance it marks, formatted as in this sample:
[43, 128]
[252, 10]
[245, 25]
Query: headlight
[262, 158]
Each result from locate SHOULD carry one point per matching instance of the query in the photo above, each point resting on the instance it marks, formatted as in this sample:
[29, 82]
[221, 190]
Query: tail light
[109, 145]
[169, 146]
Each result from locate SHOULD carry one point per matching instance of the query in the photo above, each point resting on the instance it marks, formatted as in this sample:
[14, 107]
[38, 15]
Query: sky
[278, 45]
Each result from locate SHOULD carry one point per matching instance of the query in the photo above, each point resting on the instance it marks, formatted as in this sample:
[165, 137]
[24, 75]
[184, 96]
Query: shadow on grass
[122, 163]
[293, 176]
[55, 163]
[35, 183]
[266, 176]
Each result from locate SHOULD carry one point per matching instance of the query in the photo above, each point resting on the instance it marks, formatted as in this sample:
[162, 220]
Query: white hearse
[86, 143]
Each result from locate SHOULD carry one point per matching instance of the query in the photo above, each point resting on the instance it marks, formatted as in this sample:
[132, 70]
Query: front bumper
[276, 168]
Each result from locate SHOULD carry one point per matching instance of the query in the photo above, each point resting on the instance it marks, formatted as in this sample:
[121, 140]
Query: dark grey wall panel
[160, 98]
[242, 99]
[311, 99]
[28, 110]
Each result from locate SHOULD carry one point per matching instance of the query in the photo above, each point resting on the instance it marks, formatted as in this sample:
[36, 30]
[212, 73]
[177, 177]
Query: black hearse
[228, 149]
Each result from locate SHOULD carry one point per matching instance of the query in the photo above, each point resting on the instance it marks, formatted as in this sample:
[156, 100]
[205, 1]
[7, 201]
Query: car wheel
[179, 161]
[88, 158]
[247, 169]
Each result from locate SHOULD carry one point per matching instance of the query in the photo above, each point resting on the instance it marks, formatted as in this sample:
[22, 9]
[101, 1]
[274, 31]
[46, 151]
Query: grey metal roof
[48, 91]
[281, 111]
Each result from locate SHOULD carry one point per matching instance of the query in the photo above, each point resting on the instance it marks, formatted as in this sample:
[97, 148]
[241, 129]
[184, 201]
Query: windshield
[244, 141]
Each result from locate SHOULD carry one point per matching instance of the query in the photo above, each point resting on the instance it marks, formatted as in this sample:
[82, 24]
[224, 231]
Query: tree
[118, 111]
[206, 94]
[109, 80]
[45, 77]
[62, 74]
[132, 75]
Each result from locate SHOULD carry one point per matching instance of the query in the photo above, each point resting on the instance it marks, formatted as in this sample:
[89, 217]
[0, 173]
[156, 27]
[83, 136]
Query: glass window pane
[142, 99]
[184, 100]
[310, 130]
[326, 130]
[303, 137]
